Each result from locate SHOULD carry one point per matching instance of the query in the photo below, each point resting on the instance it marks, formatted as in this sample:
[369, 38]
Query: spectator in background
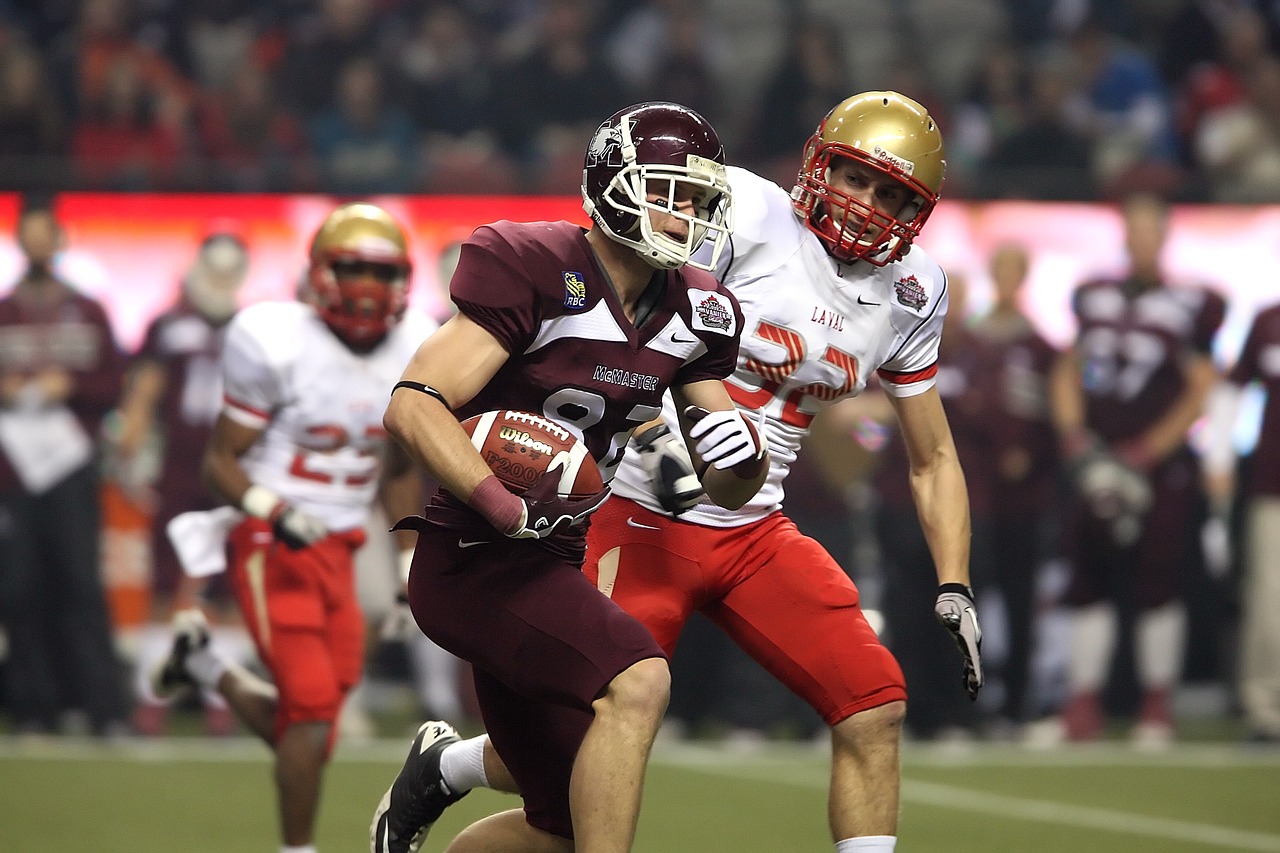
[173, 395]
[1022, 465]
[672, 49]
[59, 374]
[1043, 156]
[806, 81]
[1238, 145]
[32, 124]
[993, 109]
[555, 90]
[363, 144]
[444, 78]
[252, 144]
[1259, 672]
[1124, 109]
[1123, 398]
[129, 136]
[319, 48]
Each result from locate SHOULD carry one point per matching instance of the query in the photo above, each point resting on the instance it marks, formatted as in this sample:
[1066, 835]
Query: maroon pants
[544, 644]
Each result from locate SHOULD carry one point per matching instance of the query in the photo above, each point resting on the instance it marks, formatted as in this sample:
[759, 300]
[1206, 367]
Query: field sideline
[194, 795]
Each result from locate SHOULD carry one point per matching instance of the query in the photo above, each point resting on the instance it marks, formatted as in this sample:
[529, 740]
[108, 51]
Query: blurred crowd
[1061, 99]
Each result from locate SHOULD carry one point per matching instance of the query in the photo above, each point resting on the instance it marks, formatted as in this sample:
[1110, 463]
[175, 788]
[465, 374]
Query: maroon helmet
[649, 148]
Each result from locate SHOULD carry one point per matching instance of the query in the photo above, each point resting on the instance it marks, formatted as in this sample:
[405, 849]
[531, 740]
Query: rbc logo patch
[575, 291]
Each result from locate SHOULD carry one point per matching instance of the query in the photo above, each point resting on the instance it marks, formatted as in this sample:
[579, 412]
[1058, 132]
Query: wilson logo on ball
[521, 448]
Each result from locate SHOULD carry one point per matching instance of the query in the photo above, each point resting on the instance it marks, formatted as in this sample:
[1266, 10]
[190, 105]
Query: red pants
[301, 609]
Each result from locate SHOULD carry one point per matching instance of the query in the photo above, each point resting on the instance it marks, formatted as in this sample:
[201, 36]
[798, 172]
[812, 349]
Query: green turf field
[191, 795]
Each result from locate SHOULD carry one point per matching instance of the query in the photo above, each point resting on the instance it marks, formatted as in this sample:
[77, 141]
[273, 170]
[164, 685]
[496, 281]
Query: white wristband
[406, 560]
[259, 501]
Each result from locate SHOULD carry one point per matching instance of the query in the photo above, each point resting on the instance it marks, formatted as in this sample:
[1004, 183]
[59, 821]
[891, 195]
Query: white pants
[1260, 623]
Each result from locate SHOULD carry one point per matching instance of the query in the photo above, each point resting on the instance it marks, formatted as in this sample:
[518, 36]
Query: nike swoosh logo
[631, 522]
[462, 543]
[862, 301]
[676, 340]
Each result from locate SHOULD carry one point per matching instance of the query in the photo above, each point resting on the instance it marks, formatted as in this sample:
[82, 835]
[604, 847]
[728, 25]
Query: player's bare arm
[457, 361]
[1066, 402]
[937, 483]
[138, 406]
[733, 486]
[221, 469]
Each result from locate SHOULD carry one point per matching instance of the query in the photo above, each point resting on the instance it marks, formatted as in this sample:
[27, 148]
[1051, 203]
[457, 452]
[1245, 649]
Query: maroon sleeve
[97, 386]
[1208, 320]
[491, 286]
[1246, 367]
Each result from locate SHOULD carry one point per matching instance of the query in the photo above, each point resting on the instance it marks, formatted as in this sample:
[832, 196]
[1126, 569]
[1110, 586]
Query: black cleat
[417, 797]
[190, 633]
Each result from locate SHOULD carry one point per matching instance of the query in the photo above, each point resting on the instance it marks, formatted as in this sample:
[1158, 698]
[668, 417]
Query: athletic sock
[867, 844]
[206, 666]
[462, 764]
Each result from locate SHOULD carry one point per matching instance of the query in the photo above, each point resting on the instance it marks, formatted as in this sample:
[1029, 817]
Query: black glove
[295, 528]
[959, 615]
[546, 513]
[670, 470]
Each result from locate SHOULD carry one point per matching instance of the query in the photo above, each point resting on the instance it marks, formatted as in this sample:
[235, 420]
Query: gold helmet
[892, 134]
[359, 274]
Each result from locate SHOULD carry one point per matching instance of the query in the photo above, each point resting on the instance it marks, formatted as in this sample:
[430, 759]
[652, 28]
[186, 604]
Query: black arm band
[425, 389]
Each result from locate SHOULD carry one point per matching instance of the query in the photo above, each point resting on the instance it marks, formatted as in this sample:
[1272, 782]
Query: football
[520, 446]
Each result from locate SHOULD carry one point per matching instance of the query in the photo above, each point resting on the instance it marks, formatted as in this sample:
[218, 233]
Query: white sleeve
[252, 387]
[913, 368]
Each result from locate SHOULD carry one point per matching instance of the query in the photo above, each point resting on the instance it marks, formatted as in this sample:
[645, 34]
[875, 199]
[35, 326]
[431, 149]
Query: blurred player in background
[1259, 671]
[830, 296]
[59, 375]
[1022, 469]
[1123, 398]
[172, 396]
[299, 446]
[589, 328]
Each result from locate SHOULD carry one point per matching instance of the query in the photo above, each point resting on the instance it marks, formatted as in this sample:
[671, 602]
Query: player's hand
[724, 437]
[399, 625]
[295, 528]
[959, 615]
[545, 513]
[670, 470]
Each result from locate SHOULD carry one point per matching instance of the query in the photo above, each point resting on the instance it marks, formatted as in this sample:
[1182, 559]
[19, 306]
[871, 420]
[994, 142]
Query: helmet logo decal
[902, 165]
[575, 291]
[910, 293]
[712, 313]
[606, 147]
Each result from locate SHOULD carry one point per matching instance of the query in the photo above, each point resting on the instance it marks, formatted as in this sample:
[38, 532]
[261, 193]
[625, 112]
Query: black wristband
[956, 587]
[424, 389]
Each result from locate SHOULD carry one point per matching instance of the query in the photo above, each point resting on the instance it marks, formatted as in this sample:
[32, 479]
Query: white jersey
[319, 404]
[815, 329]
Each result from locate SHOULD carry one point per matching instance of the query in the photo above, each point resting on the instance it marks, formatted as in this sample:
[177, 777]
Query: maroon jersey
[575, 357]
[187, 347]
[1015, 417]
[1260, 360]
[1132, 347]
[70, 332]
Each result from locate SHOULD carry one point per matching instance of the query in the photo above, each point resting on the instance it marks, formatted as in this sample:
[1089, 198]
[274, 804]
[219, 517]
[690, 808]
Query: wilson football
[520, 446]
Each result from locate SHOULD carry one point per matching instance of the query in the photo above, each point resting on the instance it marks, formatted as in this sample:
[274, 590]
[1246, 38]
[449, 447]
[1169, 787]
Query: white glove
[958, 614]
[724, 437]
[295, 528]
[670, 470]
[1215, 541]
[399, 625]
